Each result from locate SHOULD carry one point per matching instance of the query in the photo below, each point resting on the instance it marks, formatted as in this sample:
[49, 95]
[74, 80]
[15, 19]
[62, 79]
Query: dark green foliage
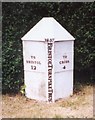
[18, 18]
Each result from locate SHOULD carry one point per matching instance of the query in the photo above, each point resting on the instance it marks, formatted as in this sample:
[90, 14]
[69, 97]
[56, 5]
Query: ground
[79, 105]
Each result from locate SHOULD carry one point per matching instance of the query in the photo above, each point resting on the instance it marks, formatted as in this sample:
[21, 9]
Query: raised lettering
[50, 66]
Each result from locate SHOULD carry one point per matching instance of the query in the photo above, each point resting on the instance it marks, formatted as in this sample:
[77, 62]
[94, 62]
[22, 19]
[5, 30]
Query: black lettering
[50, 66]
[65, 61]
[33, 67]
[65, 56]
[33, 57]
[33, 62]
[50, 99]
[49, 54]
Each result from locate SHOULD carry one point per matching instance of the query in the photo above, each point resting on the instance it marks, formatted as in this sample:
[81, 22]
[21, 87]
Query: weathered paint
[48, 61]
[35, 78]
[35, 85]
[63, 83]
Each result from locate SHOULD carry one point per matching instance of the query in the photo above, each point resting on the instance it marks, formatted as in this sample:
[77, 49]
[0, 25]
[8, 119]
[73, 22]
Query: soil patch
[79, 105]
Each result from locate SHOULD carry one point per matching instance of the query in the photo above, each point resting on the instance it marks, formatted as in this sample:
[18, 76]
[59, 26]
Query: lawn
[79, 105]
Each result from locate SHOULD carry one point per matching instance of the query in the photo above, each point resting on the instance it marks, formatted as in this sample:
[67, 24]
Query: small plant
[22, 90]
[58, 116]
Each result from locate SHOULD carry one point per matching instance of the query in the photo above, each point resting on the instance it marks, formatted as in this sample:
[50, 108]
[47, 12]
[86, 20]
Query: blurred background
[19, 17]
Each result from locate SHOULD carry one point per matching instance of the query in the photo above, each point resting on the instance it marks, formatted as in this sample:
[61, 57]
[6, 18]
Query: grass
[79, 105]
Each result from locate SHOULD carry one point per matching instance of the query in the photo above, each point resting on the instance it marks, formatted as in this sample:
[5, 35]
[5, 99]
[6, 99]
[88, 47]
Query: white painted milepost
[48, 56]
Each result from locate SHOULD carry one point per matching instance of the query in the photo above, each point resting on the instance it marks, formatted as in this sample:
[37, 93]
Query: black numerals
[33, 67]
